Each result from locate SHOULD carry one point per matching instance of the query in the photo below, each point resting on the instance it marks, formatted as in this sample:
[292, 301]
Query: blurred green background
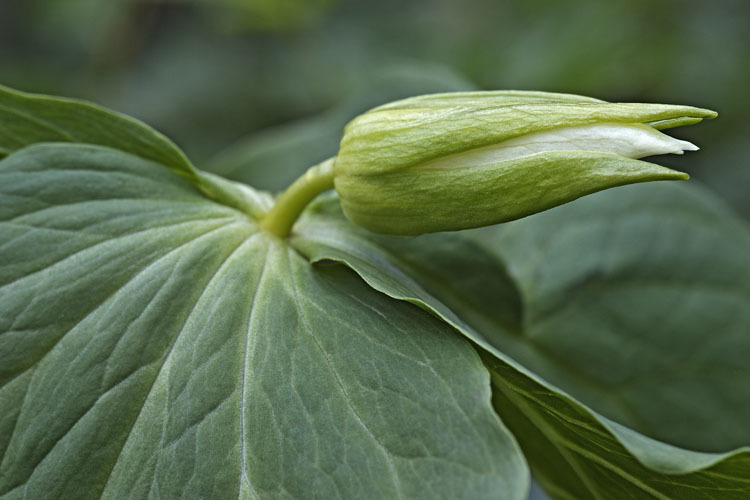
[257, 90]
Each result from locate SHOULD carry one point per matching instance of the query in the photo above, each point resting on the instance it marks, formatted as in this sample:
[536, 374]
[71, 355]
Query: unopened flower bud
[456, 161]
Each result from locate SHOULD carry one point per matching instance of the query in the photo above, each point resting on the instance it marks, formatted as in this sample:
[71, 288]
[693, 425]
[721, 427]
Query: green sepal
[488, 194]
[413, 131]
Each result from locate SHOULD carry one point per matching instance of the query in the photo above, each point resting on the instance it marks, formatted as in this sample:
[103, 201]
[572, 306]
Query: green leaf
[574, 451]
[651, 328]
[156, 344]
[28, 119]
[576, 454]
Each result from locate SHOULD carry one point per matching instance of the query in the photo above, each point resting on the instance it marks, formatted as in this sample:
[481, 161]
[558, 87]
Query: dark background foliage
[259, 89]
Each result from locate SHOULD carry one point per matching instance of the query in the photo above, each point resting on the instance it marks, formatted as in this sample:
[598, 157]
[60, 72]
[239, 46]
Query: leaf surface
[652, 327]
[503, 286]
[156, 344]
[29, 119]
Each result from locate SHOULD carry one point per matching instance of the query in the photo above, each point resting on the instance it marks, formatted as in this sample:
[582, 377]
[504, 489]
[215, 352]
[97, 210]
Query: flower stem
[282, 216]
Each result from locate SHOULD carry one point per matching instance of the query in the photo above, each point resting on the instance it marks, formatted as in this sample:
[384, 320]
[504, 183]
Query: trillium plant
[168, 333]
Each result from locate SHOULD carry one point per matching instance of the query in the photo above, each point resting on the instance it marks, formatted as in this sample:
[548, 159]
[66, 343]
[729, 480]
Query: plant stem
[282, 216]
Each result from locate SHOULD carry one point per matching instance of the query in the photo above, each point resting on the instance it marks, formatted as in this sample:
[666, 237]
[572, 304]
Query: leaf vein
[243, 378]
[38, 121]
[170, 350]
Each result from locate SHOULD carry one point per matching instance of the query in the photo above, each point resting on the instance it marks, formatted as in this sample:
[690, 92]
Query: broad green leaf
[156, 344]
[30, 119]
[637, 303]
[574, 451]
[576, 454]
[634, 302]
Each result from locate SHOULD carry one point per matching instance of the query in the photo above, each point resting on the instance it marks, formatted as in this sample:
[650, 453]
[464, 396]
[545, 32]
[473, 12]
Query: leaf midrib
[44, 123]
[243, 450]
[171, 347]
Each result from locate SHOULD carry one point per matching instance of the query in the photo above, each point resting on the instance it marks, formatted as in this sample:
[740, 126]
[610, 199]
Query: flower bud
[457, 161]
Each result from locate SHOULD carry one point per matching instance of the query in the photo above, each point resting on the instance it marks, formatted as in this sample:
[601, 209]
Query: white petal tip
[688, 146]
